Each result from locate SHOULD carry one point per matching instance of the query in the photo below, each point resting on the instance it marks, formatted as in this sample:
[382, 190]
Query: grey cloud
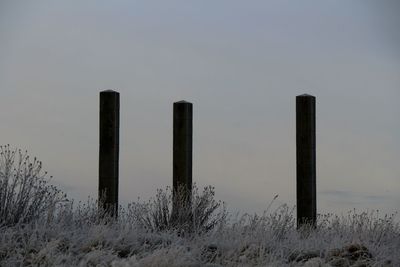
[241, 67]
[340, 195]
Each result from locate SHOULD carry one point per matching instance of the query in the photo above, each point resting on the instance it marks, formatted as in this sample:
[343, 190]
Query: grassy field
[39, 226]
[79, 237]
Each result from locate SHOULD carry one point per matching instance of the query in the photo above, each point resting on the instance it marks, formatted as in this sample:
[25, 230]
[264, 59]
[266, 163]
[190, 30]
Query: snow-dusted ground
[39, 226]
[77, 238]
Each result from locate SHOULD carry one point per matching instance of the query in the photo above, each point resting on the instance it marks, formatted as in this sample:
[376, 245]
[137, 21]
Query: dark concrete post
[109, 151]
[306, 160]
[182, 147]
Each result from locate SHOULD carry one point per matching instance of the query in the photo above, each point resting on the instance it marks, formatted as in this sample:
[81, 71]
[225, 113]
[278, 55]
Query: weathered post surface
[182, 148]
[109, 151]
[306, 160]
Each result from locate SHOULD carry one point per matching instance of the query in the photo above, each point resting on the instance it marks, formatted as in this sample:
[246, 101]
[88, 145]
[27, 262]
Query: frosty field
[39, 226]
[79, 238]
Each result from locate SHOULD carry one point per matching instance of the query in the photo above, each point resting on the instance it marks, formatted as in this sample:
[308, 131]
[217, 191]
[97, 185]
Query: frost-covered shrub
[25, 192]
[85, 214]
[200, 214]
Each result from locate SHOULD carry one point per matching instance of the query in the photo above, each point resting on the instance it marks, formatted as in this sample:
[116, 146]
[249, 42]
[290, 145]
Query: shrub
[25, 192]
[199, 214]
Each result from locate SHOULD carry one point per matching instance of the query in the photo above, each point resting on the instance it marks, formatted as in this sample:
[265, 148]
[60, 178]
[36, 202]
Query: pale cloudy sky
[241, 63]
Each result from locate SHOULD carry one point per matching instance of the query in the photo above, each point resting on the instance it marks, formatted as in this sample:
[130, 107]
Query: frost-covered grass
[150, 234]
[79, 237]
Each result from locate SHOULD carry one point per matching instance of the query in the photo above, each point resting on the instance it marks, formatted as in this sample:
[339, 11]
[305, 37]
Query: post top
[109, 91]
[183, 102]
[306, 95]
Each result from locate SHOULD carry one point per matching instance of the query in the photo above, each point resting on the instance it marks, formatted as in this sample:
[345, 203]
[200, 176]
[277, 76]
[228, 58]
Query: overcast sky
[241, 64]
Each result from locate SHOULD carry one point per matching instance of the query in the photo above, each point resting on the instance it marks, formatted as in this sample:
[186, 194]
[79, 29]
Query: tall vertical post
[109, 151]
[182, 148]
[306, 160]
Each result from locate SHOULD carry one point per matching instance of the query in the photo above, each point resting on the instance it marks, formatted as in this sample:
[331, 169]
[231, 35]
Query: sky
[241, 64]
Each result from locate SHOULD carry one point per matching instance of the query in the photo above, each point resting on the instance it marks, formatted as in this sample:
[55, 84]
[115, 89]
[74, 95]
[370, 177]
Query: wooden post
[109, 151]
[306, 160]
[182, 148]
